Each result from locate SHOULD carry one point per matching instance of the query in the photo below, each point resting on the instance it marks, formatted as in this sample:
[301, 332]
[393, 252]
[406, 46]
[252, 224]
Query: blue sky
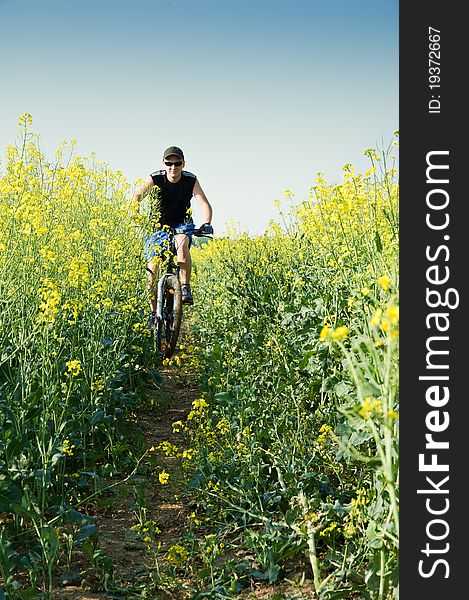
[260, 95]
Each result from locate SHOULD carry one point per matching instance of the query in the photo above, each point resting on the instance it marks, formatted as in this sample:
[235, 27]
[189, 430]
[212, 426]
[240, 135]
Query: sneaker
[151, 321]
[187, 294]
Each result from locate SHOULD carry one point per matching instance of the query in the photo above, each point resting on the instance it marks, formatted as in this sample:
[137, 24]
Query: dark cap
[173, 150]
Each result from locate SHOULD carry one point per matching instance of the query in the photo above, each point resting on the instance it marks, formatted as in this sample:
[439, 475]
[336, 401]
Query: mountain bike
[169, 297]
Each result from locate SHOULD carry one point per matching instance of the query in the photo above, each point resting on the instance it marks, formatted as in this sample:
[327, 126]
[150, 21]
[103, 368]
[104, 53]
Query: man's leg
[152, 278]
[184, 258]
[153, 256]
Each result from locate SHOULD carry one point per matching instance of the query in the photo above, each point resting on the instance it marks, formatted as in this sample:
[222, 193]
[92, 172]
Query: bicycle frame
[172, 269]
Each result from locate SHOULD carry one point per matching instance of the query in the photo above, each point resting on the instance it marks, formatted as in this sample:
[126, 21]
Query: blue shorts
[155, 242]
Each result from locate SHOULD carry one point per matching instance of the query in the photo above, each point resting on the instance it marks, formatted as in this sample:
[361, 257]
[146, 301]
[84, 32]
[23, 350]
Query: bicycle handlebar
[198, 233]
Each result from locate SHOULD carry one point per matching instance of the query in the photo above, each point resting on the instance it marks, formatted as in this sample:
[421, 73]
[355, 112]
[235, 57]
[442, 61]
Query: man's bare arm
[140, 192]
[143, 189]
[201, 198]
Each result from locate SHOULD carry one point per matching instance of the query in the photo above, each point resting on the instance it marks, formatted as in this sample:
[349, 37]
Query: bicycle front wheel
[168, 327]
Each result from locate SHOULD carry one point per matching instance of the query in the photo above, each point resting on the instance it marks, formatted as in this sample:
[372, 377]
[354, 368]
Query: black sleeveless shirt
[170, 202]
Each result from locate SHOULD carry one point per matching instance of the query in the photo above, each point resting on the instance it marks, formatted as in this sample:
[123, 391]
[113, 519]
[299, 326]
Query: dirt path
[151, 503]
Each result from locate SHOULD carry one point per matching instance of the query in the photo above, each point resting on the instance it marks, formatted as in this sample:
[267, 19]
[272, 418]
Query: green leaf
[15, 446]
[273, 573]
[85, 532]
[358, 437]
[373, 540]
[378, 243]
[305, 360]
[342, 389]
[259, 575]
[56, 457]
[49, 535]
[97, 417]
[223, 398]
[10, 494]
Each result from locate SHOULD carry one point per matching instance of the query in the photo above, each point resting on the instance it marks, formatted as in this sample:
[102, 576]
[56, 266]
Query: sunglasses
[173, 164]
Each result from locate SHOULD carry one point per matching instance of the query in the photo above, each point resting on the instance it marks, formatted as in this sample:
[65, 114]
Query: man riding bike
[172, 191]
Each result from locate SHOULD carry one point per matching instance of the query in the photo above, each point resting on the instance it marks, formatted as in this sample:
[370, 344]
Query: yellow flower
[177, 554]
[200, 403]
[73, 368]
[340, 333]
[163, 477]
[370, 406]
[98, 385]
[324, 433]
[67, 448]
[107, 303]
[223, 426]
[384, 281]
[187, 454]
[392, 312]
[324, 333]
[168, 448]
[312, 517]
[49, 306]
[376, 318]
[193, 516]
[329, 529]
[385, 325]
[25, 120]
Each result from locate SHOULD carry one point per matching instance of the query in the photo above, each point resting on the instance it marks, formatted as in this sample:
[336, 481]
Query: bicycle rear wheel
[167, 330]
